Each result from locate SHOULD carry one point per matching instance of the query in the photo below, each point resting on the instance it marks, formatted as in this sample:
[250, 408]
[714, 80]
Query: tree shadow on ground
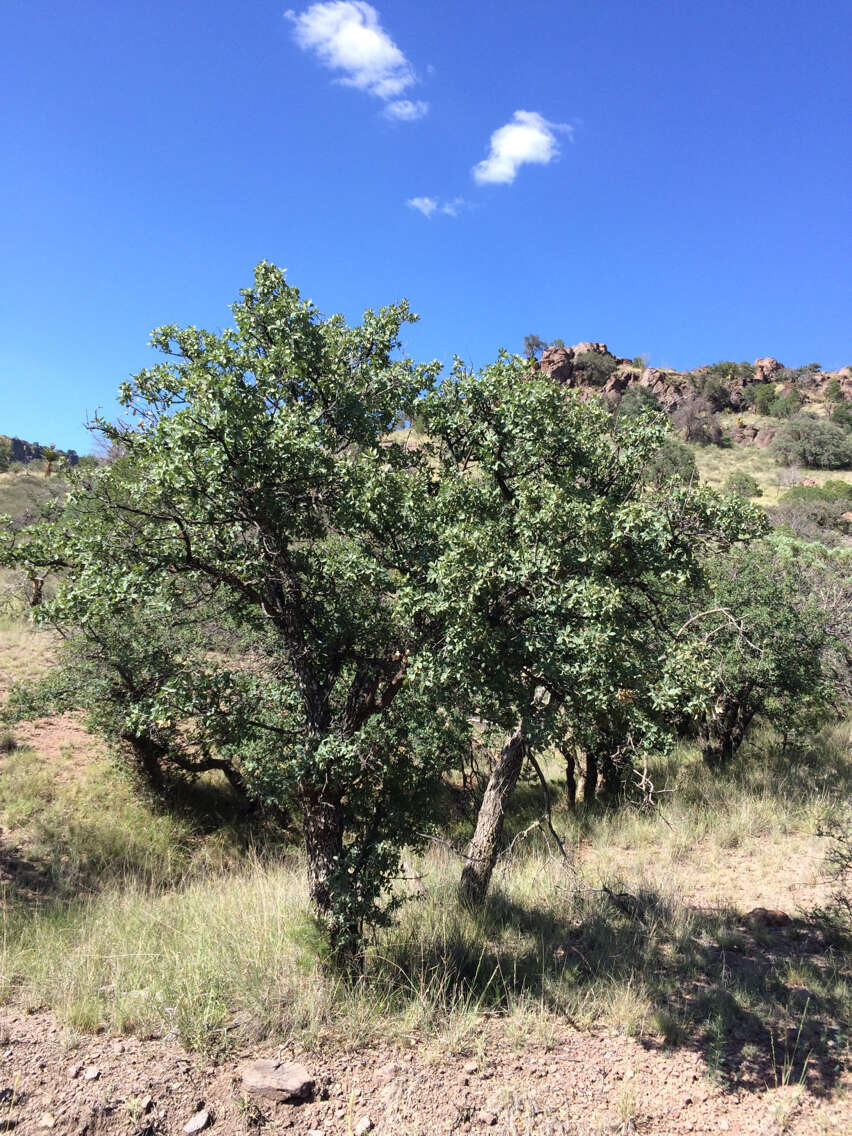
[764, 1006]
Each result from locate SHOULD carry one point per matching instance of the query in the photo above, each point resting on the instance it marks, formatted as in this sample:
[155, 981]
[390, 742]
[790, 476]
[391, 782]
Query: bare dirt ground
[579, 1083]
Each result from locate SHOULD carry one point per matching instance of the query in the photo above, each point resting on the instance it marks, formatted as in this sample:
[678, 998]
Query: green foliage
[744, 485]
[812, 442]
[637, 399]
[258, 480]
[841, 415]
[5, 454]
[593, 369]
[761, 396]
[556, 563]
[834, 392]
[729, 372]
[533, 346]
[767, 639]
[711, 385]
[813, 512]
[785, 406]
[673, 461]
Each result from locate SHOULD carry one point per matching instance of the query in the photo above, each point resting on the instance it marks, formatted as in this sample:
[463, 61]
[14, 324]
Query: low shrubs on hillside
[744, 485]
[812, 442]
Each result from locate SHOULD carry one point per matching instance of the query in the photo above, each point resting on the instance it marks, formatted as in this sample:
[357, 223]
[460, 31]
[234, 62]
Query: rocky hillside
[17, 450]
[766, 387]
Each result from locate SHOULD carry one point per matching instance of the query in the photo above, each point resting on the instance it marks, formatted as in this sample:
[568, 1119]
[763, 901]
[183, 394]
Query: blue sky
[673, 178]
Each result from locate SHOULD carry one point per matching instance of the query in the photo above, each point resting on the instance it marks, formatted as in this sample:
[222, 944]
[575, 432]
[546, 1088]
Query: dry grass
[115, 910]
[25, 652]
[716, 464]
[144, 922]
[21, 492]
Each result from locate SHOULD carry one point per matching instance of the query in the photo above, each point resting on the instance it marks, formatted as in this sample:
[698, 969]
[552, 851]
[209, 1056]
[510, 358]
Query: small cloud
[406, 110]
[428, 206]
[347, 36]
[425, 205]
[527, 138]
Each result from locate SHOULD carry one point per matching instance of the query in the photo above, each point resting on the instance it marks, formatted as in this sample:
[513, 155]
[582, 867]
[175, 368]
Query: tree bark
[722, 732]
[149, 757]
[323, 825]
[571, 780]
[485, 845]
[590, 784]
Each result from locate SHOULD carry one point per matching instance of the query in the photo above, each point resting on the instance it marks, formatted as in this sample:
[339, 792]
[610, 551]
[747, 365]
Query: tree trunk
[590, 784]
[571, 780]
[323, 826]
[485, 845]
[149, 757]
[722, 732]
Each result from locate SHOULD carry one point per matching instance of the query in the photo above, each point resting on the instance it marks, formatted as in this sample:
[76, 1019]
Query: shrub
[710, 384]
[812, 442]
[815, 513]
[785, 406]
[637, 399]
[594, 369]
[744, 485]
[673, 461]
[834, 392]
[761, 396]
[699, 424]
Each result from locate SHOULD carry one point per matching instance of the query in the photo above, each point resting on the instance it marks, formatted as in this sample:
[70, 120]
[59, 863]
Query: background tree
[695, 417]
[743, 484]
[637, 399]
[533, 346]
[50, 456]
[833, 393]
[555, 564]
[765, 635]
[812, 442]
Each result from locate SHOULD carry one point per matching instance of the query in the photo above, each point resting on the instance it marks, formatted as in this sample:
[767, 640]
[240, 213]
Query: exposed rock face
[595, 348]
[676, 389]
[557, 362]
[560, 362]
[669, 389]
[620, 380]
[766, 369]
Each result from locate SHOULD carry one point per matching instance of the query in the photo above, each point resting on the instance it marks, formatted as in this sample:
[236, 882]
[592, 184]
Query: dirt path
[579, 1084]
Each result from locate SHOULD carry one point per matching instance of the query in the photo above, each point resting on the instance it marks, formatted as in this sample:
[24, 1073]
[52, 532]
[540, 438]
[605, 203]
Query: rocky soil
[576, 1083]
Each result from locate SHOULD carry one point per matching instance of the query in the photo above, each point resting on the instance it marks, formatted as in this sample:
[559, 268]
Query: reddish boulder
[586, 348]
[557, 362]
[766, 369]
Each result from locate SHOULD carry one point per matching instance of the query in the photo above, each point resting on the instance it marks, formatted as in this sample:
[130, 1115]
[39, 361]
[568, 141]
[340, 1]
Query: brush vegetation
[323, 728]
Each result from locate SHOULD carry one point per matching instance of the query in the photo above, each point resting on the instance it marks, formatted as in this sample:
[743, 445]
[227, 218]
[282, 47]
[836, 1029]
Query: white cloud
[428, 206]
[406, 110]
[425, 205]
[454, 207]
[527, 138]
[347, 36]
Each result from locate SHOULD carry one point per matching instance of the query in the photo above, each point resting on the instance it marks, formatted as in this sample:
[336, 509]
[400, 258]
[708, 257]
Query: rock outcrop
[572, 367]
